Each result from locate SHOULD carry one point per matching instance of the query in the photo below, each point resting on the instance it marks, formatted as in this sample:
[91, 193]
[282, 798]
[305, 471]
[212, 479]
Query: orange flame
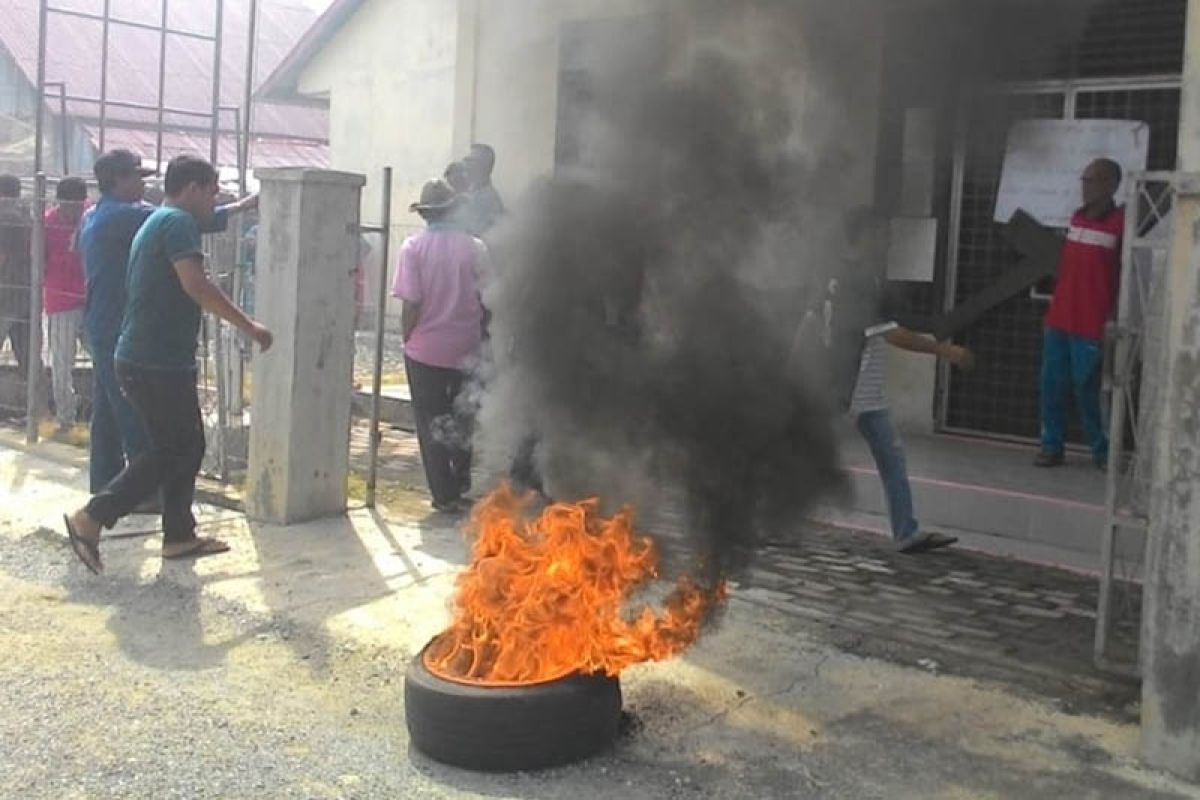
[544, 598]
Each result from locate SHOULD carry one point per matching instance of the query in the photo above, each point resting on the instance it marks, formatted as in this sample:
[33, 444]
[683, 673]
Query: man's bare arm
[210, 297]
[913, 342]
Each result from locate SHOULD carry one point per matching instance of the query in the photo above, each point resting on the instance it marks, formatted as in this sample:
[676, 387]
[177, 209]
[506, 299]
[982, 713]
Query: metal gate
[1135, 369]
[999, 398]
[228, 270]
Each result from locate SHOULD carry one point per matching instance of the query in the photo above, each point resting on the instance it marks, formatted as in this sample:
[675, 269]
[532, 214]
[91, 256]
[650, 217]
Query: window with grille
[1121, 42]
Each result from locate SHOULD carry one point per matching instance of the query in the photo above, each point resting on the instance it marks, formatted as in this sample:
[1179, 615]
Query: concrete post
[304, 292]
[1171, 615]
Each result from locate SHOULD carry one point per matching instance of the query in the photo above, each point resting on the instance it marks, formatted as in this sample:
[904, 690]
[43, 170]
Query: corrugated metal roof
[74, 56]
[281, 82]
[267, 151]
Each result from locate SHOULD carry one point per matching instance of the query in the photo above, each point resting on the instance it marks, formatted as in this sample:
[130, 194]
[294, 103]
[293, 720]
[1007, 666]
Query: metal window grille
[999, 396]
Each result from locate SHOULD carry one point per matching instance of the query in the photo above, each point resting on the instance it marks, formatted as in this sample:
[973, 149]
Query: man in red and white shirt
[1084, 298]
[63, 299]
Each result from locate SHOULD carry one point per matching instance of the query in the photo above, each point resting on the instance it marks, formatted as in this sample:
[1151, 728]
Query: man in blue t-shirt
[155, 362]
[105, 235]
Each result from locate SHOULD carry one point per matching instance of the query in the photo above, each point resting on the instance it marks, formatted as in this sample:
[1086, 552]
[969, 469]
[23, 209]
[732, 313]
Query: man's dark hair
[71, 190]
[183, 171]
[1112, 169]
[114, 165]
[10, 186]
[486, 153]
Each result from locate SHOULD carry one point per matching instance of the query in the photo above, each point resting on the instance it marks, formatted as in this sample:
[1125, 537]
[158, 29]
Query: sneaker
[926, 542]
[1049, 458]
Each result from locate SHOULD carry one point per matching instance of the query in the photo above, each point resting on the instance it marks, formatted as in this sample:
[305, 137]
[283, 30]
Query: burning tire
[501, 728]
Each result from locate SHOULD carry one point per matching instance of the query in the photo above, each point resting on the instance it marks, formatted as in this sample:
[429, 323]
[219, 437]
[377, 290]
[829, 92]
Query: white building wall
[413, 84]
[516, 90]
[390, 75]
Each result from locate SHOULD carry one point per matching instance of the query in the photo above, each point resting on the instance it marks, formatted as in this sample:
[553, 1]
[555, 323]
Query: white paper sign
[912, 248]
[1045, 159]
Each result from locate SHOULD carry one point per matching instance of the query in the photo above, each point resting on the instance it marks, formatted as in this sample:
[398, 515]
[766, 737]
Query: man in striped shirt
[857, 331]
[869, 407]
[1084, 298]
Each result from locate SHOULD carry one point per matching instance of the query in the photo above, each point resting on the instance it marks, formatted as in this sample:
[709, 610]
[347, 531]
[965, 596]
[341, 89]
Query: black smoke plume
[645, 308]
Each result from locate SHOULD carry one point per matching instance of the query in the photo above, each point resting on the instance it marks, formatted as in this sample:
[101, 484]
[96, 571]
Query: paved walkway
[956, 611]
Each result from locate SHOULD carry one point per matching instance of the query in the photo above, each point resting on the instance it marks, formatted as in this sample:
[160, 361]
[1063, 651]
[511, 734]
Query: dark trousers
[169, 408]
[523, 473]
[443, 435]
[16, 331]
[117, 433]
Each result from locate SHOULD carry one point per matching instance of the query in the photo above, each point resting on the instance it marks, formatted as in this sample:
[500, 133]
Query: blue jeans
[1069, 363]
[880, 434]
[117, 433]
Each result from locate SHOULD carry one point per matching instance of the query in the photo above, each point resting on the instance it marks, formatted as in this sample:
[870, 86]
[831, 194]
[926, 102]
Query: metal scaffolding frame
[242, 116]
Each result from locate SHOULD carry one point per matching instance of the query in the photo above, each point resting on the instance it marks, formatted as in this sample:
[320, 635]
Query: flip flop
[201, 547]
[928, 542]
[85, 551]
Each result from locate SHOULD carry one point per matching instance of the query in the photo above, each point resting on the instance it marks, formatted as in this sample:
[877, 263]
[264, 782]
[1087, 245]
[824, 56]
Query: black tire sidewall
[508, 729]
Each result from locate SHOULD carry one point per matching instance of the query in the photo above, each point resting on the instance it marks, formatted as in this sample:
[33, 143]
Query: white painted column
[1171, 615]
[304, 292]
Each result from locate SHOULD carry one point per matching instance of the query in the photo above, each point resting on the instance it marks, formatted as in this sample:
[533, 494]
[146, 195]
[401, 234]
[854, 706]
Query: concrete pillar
[304, 292]
[1171, 615]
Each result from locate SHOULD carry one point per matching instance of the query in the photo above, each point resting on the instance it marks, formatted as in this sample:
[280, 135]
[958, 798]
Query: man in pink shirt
[438, 281]
[63, 298]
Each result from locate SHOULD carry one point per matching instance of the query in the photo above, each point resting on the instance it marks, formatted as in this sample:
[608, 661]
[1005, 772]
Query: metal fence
[25, 357]
[225, 378]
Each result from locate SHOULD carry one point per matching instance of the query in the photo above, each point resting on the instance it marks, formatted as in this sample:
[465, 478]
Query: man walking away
[438, 282]
[1084, 298]
[484, 206]
[156, 366]
[873, 419]
[16, 228]
[63, 298]
[850, 337]
[105, 236]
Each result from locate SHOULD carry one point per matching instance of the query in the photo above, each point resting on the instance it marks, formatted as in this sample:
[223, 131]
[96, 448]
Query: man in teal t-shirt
[167, 289]
[162, 323]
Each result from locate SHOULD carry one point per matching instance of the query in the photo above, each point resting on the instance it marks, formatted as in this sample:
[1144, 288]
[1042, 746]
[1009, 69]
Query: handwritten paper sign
[1045, 158]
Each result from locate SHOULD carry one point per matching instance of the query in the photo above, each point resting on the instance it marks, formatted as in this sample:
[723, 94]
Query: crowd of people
[126, 278]
[443, 329]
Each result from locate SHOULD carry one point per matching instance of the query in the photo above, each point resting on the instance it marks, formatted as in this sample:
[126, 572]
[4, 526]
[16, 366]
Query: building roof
[283, 133]
[281, 84]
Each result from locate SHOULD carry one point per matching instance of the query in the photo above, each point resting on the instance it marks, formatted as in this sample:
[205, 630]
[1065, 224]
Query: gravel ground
[148, 690]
